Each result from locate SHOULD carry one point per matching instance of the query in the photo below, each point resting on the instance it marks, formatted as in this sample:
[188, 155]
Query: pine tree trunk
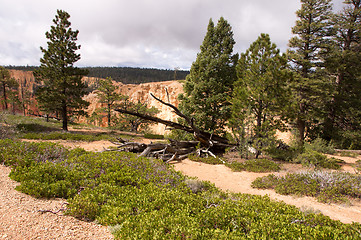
[301, 126]
[65, 116]
[109, 111]
[5, 98]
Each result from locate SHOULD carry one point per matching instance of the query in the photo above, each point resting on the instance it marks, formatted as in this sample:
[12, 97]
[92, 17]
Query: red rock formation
[134, 91]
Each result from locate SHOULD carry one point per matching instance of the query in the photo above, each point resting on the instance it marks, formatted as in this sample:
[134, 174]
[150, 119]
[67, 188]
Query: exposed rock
[136, 92]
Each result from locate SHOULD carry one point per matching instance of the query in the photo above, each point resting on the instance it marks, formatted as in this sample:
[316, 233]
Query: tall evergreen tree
[7, 84]
[311, 31]
[107, 95]
[260, 93]
[62, 88]
[343, 64]
[209, 84]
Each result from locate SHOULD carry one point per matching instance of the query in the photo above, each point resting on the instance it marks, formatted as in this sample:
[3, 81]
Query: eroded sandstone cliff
[136, 92]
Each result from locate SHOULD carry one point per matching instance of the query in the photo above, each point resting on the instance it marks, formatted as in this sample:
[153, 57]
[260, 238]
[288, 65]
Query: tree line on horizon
[126, 75]
[313, 89]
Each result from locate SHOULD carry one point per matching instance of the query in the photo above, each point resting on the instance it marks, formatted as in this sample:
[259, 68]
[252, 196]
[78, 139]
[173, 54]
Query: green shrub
[347, 154]
[68, 136]
[208, 160]
[255, 165]
[358, 165]
[147, 199]
[287, 154]
[316, 159]
[320, 145]
[325, 186]
[268, 182]
[153, 136]
[34, 127]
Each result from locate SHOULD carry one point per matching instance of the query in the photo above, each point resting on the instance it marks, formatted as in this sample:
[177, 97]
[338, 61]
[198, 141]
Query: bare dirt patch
[21, 217]
[224, 178]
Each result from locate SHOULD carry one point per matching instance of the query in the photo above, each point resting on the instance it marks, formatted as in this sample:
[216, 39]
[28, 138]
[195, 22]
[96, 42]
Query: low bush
[147, 199]
[358, 166]
[153, 136]
[68, 136]
[208, 160]
[318, 160]
[320, 145]
[325, 186]
[348, 154]
[255, 165]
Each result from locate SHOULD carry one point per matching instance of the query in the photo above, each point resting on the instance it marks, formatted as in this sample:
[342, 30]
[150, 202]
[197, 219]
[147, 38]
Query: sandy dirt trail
[224, 178]
[20, 217]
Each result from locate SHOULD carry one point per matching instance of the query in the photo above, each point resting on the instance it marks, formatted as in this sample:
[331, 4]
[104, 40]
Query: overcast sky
[140, 33]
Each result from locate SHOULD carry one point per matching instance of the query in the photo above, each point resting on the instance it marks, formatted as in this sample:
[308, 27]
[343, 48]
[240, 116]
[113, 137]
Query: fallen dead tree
[205, 144]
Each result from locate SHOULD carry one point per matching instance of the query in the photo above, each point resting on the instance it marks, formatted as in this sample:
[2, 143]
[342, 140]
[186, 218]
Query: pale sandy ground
[224, 178]
[20, 217]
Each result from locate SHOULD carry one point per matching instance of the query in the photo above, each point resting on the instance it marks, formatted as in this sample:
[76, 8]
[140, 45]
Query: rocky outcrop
[136, 92]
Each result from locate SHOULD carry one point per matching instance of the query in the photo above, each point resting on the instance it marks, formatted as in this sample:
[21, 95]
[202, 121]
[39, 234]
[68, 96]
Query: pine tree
[209, 84]
[312, 30]
[7, 84]
[343, 64]
[260, 94]
[107, 95]
[62, 88]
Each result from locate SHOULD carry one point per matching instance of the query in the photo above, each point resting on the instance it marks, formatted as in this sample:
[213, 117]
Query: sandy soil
[226, 179]
[21, 217]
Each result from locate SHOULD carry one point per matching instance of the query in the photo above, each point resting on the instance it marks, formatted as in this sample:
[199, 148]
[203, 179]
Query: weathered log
[206, 143]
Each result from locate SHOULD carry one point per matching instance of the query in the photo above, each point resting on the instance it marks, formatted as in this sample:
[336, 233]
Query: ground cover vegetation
[329, 187]
[313, 90]
[146, 199]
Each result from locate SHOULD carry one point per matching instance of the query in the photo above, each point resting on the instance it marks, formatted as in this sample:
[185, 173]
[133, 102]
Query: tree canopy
[260, 96]
[312, 31]
[62, 87]
[209, 84]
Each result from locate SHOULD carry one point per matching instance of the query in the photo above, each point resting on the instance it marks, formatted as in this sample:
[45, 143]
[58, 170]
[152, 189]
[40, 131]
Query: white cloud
[146, 33]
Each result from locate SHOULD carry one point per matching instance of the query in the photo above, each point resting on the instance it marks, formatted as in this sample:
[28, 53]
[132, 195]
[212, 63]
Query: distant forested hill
[126, 75]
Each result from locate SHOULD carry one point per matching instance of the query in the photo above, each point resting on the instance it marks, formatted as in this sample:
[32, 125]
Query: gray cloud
[144, 33]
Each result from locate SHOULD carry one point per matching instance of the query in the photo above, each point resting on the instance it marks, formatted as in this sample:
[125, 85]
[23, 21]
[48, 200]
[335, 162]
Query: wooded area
[126, 75]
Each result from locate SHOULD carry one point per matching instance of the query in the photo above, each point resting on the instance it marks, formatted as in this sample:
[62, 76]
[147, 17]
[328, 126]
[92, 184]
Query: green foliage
[347, 154]
[108, 96]
[153, 136]
[358, 166]
[317, 160]
[69, 136]
[255, 165]
[209, 84]
[310, 90]
[342, 122]
[8, 88]
[260, 94]
[129, 75]
[146, 199]
[208, 160]
[7, 131]
[283, 154]
[180, 135]
[133, 123]
[62, 88]
[325, 186]
[34, 128]
[320, 145]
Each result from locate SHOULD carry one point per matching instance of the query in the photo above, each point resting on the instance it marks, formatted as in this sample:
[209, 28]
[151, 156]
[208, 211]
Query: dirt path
[226, 179]
[20, 217]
